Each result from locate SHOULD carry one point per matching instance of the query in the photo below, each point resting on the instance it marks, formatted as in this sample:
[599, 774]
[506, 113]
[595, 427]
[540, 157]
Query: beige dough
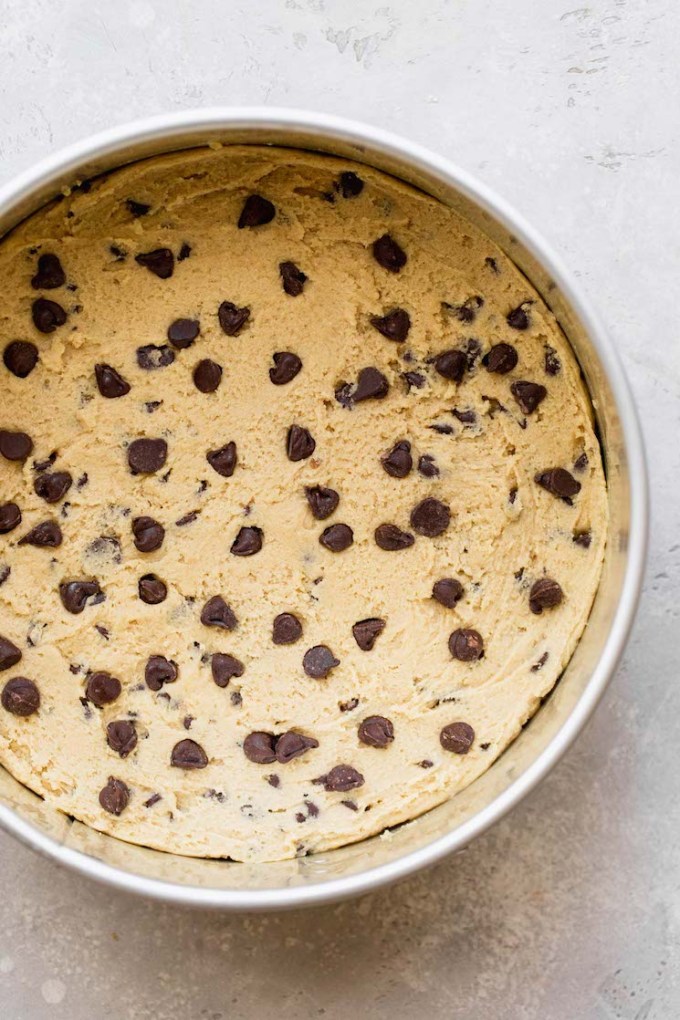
[497, 544]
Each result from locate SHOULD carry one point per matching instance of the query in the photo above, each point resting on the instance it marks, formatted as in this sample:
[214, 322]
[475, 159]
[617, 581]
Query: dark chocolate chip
[10, 517]
[376, 731]
[9, 653]
[45, 535]
[216, 613]
[466, 645]
[414, 380]
[121, 736]
[286, 367]
[395, 325]
[581, 462]
[207, 375]
[558, 482]
[322, 501]
[232, 319]
[552, 362]
[536, 668]
[337, 537]
[442, 430]
[102, 688]
[299, 443]
[152, 356]
[287, 629]
[20, 696]
[145, 456]
[183, 332]
[258, 747]
[583, 538]
[545, 593]
[398, 462]
[348, 706]
[160, 262]
[153, 799]
[293, 278]
[371, 385]
[391, 538]
[184, 251]
[75, 594]
[187, 754]
[457, 737]
[366, 632]
[223, 460]
[115, 796]
[319, 661]
[50, 274]
[110, 382]
[152, 590]
[15, 445]
[5, 571]
[388, 254]
[451, 365]
[256, 212]
[467, 311]
[427, 466]
[135, 208]
[53, 486]
[47, 315]
[448, 591]
[430, 517]
[340, 779]
[159, 671]
[528, 395]
[247, 542]
[349, 184]
[518, 318]
[148, 534]
[501, 359]
[20, 358]
[291, 745]
[225, 667]
[467, 417]
[43, 465]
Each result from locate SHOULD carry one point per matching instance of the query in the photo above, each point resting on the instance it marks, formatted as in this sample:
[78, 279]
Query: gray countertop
[570, 908]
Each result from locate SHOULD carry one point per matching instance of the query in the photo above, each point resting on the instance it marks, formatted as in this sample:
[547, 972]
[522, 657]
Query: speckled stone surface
[570, 907]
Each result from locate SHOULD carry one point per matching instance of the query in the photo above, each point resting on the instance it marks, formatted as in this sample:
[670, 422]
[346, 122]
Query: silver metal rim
[337, 128]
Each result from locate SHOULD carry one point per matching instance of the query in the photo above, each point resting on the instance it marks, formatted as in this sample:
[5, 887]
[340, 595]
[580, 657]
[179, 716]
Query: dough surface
[473, 448]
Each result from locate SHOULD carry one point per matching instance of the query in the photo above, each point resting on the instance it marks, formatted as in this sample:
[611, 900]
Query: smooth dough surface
[506, 531]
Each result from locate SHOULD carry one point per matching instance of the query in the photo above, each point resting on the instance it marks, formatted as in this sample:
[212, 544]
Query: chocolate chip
[121, 736]
[152, 590]
[348, 706]
[50, 274]
[371, 385]
[256, 212]
[427, 466]
[102, 688]
[466, 645]
[137, 208]
[414, 380]
[528, 395]
[583, 538]
[247, 542]
[148, 534]
[184, 251]
[501, 359]
[388, 254]
[153, 799]
[464, 417]
[20, 696]
[451, 365]
[20, 358]
[160, 262]
[5, 571]
[10, 517]
[430, 517]
[299, 443]
[223, 460]
[75, 594]
[291, 745]
[183, 332]
[366, 632]
[286, 367]
[337, 537]
[9, 653]
[110, 382]
[47, 315]
[115, 796]
[391, 538]
[467, 311]
[398, 462]
[518, 318]
[319, 661]
[187, 754]
[376, 731]
[152, 356]
[340, 779]
[349, 184]
[207, 375]
[45, 535]
[457, 737]
[159, 671]
[216, 613]
[581, 462]
[287, 629]
[258, 747]
[395, 325]
[15, 445]
[552, 362]
[442, 430]
[187, 721]
[232, 319]
[558, 482]
[293, 278]
[145, 456]
[225, 667]
[448, 592]
[322, 501]
[545, 593]
[53, 486]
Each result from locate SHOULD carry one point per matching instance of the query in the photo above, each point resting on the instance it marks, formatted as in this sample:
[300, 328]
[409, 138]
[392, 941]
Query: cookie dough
[301, 507]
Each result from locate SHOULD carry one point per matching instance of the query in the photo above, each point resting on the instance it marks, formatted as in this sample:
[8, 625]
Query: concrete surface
[571, 907]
